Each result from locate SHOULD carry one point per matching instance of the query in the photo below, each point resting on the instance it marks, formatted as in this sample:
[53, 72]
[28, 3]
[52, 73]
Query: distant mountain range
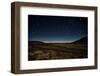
[30, 43]
[80, 41]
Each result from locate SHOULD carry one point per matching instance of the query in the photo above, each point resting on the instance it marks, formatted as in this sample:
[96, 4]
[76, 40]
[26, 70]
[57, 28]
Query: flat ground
[49, 51]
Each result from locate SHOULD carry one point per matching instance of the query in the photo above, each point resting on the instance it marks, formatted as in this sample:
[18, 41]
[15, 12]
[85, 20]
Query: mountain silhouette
[82, 40]
[35, 42]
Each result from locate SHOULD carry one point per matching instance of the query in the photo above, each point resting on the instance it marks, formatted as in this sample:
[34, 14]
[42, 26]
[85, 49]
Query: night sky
[56, 28]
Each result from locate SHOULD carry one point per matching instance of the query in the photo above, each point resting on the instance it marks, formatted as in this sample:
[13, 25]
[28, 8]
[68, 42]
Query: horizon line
[56, 41]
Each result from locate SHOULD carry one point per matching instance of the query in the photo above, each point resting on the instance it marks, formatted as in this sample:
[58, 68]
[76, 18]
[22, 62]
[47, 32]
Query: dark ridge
[83, 40]
[80, 41]
[35, 42]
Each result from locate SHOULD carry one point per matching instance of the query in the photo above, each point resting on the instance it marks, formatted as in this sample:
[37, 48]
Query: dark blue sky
[56, 28]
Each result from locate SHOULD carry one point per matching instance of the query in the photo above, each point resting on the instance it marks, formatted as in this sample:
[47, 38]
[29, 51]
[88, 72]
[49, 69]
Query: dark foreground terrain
[47, 51]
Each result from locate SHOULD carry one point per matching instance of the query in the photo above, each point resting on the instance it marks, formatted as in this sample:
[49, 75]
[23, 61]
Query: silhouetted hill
[35, 42]
[82, 40]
